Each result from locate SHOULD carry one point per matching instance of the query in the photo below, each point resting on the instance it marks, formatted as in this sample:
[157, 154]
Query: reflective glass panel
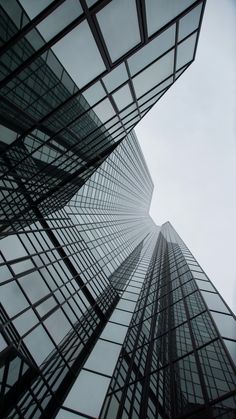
[226, 325]
[160, 12]
[154, 74]
[87, 384]
[103, 357]
[123, 97]
[80, 43]
[185, 51]
[152, 51]
[214, 302]
[119, 25]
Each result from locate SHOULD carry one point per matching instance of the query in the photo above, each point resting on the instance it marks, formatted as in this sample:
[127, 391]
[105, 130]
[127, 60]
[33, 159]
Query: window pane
[231, 346]
[205, 285]
[119, 25]
[152, 50]
[80, 43]
[12, 248]
[123, 97]
[88, 384]
[189, 22]
[154, 74]
[39, 344]
[214, 302]
[104, 110]
[59, 18]
[160, 12]
[114, 332]
[103, 357]
[185, 51]
[116, 77]
[12, 298]
[226, 325]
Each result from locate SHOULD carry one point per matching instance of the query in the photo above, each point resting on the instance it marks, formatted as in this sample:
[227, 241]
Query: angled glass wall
[73, 85]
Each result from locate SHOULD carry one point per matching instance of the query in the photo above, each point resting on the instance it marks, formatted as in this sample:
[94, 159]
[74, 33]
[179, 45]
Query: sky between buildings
[189, 142]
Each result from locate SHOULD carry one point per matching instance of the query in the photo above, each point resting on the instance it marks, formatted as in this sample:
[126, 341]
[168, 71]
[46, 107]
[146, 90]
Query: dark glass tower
[75, 77]
[104, 314]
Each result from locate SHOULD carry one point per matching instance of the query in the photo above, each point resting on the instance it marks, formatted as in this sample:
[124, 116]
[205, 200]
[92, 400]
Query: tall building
[75, 77]
[106, 315]
[103, 314]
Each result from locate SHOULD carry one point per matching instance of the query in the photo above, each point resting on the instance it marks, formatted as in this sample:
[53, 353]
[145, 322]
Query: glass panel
[87, 384]
[226, 325]
[152, 51]
[58, 325]
[185, 51]
[94, 93]
[65, 414]
[154, 74]
[126, 305]
[59, 19]
[119, 25]
[231, 346]
[205, 285]
[5, 273]
[39, 344]
[189, 22]
[214, 302]
[122, 317]
[12, 298]
[12, 248]
[104, 110]
[123, 97]
[160, 12]
[104, 364]
[3, 343]
[33, 8]
[114, 332]
[34, 286]
[116, 77]
[25, 321]
[80, 43]
[7, 135]
[91, 2]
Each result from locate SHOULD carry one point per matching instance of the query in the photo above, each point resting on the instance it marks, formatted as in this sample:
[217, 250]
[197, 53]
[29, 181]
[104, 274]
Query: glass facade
[106, 315]
[73, 85]
[103, 314]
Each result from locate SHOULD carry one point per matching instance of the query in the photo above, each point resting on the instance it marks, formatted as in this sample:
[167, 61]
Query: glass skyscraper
[103, 313]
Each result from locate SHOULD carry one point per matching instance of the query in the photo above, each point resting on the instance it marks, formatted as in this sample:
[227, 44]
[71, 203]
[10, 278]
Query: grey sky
[189, 141]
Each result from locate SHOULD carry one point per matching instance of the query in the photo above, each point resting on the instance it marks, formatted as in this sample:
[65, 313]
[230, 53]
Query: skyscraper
[76, 77]
[103, 313]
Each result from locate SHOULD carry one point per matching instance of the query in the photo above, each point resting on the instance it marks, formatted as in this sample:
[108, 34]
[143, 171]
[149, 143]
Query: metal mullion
[31, 25]
[141, 12]
[176, 48]
[199, 27]
[97, 35]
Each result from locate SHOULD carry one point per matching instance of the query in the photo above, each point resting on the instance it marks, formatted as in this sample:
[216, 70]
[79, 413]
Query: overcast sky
[189, 141]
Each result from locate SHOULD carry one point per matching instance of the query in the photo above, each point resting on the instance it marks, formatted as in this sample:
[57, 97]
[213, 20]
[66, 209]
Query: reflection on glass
[119, 25]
